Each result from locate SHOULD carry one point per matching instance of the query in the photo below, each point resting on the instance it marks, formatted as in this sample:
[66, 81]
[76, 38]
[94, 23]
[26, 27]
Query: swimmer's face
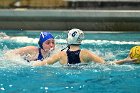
[49, 44]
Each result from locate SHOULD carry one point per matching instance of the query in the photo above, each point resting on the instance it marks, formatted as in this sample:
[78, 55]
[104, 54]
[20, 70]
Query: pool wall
[90, 20]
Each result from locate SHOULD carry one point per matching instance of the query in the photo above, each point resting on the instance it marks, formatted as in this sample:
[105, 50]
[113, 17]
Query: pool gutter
[90, 20]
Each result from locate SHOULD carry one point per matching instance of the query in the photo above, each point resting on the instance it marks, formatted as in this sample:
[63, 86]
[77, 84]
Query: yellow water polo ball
[135, 53]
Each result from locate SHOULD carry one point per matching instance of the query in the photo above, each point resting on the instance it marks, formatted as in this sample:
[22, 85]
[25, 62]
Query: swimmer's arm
[24, 50]
[95, 58]
[51, 60]
[16, 52]
[126, 60]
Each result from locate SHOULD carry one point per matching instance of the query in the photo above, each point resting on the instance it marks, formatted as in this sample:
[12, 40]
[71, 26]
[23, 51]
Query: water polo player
[75, 55]
[33, 53]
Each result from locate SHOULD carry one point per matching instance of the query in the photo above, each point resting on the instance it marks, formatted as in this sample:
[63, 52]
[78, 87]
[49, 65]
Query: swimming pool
[19, 77]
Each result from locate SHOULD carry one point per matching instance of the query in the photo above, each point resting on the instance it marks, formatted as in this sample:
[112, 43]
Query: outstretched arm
[28, 50]
[51, 60]
[25, 50]
[93, 57]
[126, 60]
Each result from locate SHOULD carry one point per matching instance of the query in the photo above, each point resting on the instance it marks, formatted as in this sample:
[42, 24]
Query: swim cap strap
[66, 47]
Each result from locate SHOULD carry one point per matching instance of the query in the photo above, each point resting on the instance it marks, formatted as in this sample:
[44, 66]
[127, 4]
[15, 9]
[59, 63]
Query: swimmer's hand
[129, 59]
[126, 60]
[134, 60]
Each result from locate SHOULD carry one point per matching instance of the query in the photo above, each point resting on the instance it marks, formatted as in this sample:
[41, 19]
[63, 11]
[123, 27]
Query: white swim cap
[75, 36]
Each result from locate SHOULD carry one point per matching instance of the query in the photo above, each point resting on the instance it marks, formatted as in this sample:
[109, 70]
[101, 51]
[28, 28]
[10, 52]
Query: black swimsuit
[73, 56]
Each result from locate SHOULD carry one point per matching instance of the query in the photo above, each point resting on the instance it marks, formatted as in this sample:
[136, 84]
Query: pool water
[19, 77]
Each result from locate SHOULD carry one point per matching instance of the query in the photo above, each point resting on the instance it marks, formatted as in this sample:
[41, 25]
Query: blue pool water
[19, 77]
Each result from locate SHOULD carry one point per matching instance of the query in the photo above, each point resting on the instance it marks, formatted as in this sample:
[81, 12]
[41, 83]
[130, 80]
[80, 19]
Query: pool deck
[90, 20]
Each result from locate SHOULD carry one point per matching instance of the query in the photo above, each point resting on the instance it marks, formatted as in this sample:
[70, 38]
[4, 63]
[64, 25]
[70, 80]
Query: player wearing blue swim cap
[34, 53]
[43, 37]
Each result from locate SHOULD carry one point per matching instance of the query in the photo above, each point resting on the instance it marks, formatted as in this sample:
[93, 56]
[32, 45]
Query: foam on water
[24, 39]
[18, 76]
[109, 55]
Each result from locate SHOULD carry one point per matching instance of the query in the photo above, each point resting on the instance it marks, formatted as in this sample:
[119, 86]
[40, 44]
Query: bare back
[85, 57]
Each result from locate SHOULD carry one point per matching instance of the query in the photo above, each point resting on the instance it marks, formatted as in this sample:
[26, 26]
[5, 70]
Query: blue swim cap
[43, 37]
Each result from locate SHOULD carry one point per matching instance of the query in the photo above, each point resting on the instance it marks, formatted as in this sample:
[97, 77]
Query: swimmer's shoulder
[84, 54]
[85, 51]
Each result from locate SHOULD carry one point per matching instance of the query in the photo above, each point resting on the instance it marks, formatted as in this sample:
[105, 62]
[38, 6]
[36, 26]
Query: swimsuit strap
[40, 57]
[73, 56]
